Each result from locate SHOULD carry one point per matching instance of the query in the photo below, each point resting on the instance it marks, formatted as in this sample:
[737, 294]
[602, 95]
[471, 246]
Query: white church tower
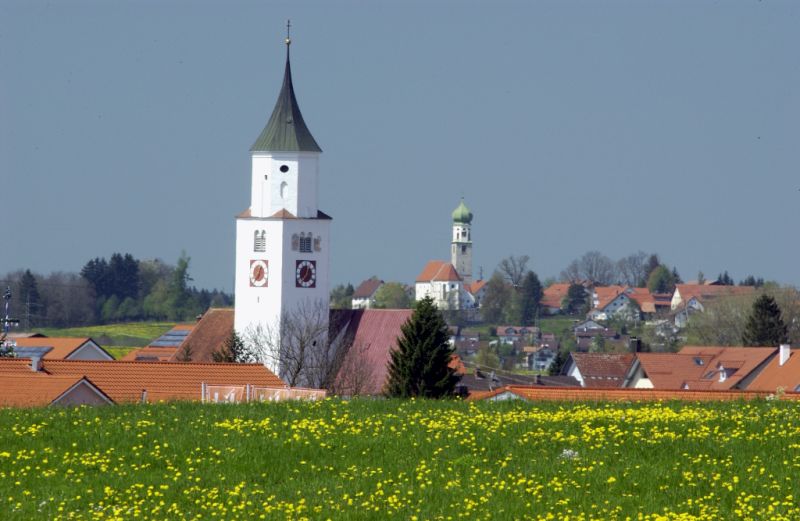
[461, 247]
[283, 239]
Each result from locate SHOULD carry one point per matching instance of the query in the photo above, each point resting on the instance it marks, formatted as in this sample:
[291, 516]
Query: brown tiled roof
[554, 294]
[367, 288]
[439, 271]
[374, 333]
[603, 369]
[209, 334]
[125, 381]
[62, 347]
[245, 213]
[774, 375]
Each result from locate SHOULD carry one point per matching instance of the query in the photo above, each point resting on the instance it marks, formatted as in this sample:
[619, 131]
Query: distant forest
[119, 289]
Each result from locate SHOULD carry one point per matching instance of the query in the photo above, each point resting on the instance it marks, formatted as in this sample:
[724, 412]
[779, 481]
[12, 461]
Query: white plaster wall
[301, 194]
[575, 373]
[265, 305]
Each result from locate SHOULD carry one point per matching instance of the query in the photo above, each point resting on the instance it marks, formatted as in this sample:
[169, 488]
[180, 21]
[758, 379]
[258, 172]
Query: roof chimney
[783, 353]
[36, 363]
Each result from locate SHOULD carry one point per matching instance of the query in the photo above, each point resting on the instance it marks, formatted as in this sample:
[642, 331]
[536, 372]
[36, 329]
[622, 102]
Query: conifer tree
[531, 294]
[419, 366]
[765, 326]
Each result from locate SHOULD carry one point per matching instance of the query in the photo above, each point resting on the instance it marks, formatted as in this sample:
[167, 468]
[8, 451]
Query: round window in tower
[284, 168]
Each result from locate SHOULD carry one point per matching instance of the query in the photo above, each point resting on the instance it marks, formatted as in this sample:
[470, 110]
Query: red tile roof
[151, 354]
[699, 367]
[30, 389]
[607, 294]
[208, 335]
[774, 375]
[603, 370]
[367, 288]
[125, 381]
[62, 347]
[374, 333]
[702, 292]
[476, 286]
[554, 294]
[439, 271]
[284, 214]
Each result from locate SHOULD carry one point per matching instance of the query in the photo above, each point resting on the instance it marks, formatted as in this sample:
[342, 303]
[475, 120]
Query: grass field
[383, 459]
[134, 334]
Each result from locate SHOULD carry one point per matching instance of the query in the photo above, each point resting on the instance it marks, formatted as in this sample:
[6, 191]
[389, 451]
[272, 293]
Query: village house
[598, 370]
[64, 348]
[691, 298]
[364, 294]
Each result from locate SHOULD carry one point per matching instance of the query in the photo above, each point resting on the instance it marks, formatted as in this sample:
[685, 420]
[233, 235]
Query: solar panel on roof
[28, 352]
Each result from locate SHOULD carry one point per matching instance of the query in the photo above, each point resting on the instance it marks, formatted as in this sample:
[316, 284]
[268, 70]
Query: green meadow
[387, 459]
[117, 339]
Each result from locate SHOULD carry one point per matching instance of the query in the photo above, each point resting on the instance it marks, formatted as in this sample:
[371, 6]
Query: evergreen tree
[420, 364]
[558, 363]
[531, 294]
[765, 326]
[575, 301]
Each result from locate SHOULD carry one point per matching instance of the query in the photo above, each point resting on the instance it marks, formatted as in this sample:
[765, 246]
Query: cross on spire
[288, 33]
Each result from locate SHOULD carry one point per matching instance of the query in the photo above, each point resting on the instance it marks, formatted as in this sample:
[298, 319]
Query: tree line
[121, 288]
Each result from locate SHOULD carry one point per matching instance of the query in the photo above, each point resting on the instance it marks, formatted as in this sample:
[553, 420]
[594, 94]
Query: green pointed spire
[286, 131]
[462, 214]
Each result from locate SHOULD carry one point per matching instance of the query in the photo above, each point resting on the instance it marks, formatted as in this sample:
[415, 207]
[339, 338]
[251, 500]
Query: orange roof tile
[702, 292]
[774, 375]
[476, 286]
[284, 214]
[32, 389]
[367, 288]
[699, 367]
[439, 271]
[151, 354]
[62, 347]
[208, 335]
[125, 381]
[554, 294]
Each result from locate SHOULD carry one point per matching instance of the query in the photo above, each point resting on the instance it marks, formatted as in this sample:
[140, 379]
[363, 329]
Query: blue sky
[567, 126]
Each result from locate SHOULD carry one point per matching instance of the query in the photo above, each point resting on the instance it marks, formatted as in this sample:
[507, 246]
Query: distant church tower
[461, 247]
[283, 239]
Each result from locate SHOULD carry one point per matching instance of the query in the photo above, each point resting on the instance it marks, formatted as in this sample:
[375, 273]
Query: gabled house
[66, 348]
[598, 370]
[517, 334]
[364, 294]
[782, 372]
[553, 296]
[699, 368]
[120, 381]
[692, 298]
[30, 389]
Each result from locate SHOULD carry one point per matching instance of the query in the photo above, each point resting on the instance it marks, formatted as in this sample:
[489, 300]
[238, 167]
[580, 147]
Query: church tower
[461, 247]
[282, 239]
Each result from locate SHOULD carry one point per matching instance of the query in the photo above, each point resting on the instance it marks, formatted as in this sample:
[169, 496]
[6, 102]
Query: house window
[260, 240]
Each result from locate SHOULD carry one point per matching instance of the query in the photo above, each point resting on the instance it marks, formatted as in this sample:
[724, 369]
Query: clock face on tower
[259, 273]
[305, 274]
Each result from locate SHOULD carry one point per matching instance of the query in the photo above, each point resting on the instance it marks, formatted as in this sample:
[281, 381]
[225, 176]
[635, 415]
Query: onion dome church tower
[282, 239]
[461, 247]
